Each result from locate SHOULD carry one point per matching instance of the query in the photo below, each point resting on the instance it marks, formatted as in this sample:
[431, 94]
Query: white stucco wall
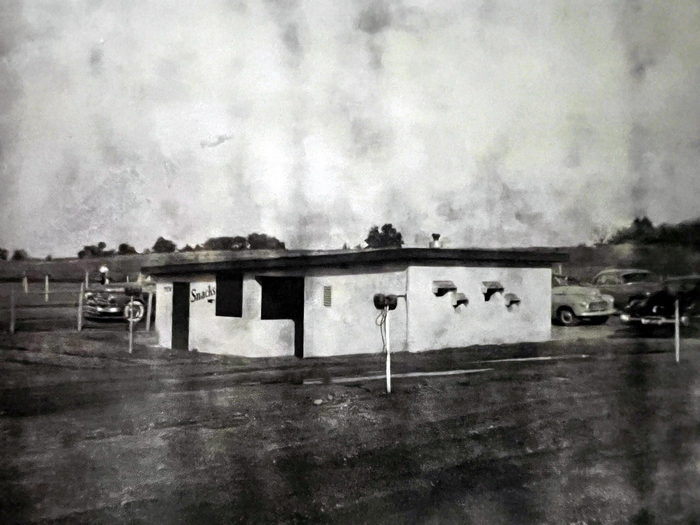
[247, 336]
[423, 322]
[164, 313]
[348, 325]
[435, 324]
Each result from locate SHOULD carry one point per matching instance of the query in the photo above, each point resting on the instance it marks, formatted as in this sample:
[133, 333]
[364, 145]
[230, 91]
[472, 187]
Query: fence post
[388, 350]
[677, 331]
[80, 306]
[87, 278]
[46, 288]
[25, 283]
[12, 311]
[149, 310]
[131, 325]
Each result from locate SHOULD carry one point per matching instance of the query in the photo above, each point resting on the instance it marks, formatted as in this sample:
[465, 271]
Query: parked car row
[640, 297]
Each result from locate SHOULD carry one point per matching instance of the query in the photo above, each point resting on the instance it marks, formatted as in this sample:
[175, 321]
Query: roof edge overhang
[529, 258]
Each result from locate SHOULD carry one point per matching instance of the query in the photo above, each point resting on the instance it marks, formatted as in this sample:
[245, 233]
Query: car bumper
[652, 320]
[102, 311]
[586, 313]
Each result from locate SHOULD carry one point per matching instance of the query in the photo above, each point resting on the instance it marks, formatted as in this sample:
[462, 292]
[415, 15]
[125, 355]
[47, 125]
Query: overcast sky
[496, 123]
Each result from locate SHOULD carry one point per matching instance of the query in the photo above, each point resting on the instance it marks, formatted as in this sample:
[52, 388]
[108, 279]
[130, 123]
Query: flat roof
[240, 260]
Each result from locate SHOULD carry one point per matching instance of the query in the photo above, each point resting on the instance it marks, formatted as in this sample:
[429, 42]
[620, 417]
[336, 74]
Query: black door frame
[180, 329]
[297, 284]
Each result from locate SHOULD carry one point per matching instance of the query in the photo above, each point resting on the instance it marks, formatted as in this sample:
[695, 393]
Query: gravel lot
[604, 427]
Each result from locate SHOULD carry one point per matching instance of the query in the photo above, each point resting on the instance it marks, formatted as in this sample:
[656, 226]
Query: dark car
[627, 285]
[113, 301]
[659, 308]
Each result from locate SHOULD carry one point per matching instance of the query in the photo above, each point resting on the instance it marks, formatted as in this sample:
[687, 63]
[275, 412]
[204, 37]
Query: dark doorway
[181, 316]
[283, 298]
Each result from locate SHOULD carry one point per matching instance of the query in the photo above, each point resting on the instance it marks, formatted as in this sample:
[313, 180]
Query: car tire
[567, 317]
[139, 311]
[601, 319]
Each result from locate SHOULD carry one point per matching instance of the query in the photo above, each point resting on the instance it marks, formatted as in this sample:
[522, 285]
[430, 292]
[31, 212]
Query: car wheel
[601, 319]
[567, 317]
[139, 311]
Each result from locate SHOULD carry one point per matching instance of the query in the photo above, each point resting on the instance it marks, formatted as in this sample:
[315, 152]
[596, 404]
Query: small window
[459, 299]
[640, 277]
[327, 292]
[608, 280]
[491, 287]
[441, 288]
[229, 294]
[512, 300]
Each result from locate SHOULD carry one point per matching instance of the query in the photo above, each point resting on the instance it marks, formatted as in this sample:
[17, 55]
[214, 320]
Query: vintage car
[572, 302]
[114, 301]
[627, 285]
[659, 308]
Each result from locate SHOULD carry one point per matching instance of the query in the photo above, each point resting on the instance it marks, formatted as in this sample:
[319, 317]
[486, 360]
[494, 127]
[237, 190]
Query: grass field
[605, 431]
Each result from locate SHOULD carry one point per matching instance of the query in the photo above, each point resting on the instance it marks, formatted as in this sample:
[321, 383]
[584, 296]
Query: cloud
[491, 122]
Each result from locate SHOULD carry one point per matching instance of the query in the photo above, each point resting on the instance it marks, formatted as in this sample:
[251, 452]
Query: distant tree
[49, 257]
[261, 241]
[126, 249]
[20, 255]
[643, 231]
[187, 248]
[4, 254]
[198, 248]
[163, 245]
[239, 243]
[226, 243]
[387, 237]
[94, 250]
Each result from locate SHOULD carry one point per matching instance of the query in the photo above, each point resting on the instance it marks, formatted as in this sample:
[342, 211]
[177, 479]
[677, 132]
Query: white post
[46, 288]
[87, 278]
[149, 309]
[678, 332]
[25, 283]
[12, 311]
[131, 325]
[80, 306]
[388, 352]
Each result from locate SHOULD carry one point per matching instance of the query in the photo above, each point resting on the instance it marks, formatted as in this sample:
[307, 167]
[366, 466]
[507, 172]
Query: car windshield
[640, 277]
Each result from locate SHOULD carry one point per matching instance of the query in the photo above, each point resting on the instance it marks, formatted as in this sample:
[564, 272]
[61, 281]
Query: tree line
[385, 237]
[640, 231]
[643, 231]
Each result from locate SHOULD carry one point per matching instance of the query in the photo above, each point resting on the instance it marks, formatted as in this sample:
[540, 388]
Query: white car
[573, 303]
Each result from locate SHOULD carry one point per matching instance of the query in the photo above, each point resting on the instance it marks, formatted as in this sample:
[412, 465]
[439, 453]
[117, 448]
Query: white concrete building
[320, 303]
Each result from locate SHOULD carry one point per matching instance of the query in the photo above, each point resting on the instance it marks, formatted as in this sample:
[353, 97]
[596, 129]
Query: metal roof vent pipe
[436, 242]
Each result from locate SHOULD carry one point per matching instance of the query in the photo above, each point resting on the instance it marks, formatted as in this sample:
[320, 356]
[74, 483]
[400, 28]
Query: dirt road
[607, 431]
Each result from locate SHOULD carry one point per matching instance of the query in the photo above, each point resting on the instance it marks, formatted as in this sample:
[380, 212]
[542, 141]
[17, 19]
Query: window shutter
[229, 294]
